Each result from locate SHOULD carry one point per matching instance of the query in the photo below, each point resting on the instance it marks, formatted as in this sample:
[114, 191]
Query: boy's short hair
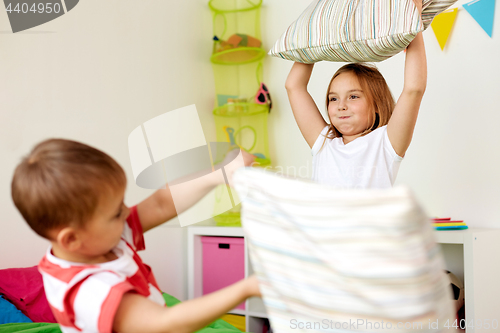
[61, 182]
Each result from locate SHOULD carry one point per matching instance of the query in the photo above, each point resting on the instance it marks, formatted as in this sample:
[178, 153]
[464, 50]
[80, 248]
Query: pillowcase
[343, 255]
[355, 30]
[10, 314]
[23, 287]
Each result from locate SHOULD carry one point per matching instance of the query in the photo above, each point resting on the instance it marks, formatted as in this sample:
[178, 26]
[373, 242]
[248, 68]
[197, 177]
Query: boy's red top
[84, 298]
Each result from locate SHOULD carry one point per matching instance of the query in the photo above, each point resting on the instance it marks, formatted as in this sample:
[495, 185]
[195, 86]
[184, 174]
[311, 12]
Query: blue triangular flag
[483, 11]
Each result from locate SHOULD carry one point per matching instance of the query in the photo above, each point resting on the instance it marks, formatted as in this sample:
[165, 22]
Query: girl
[368, 134]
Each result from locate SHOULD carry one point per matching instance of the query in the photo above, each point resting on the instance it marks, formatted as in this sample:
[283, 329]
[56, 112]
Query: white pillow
[341, 255]
[355, 30]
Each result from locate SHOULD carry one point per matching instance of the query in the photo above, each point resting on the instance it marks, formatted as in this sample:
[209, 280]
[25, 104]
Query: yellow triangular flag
[442, 24]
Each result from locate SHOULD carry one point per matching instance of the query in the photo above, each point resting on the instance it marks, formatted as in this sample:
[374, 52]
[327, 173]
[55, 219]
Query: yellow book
[448, 224]
[237, 321]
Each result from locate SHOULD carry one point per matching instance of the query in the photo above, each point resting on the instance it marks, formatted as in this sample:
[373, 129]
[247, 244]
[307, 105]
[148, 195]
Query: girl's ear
[68, 239]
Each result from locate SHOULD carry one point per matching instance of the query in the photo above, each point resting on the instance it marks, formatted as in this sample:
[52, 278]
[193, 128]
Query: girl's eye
[354, 97]
[332, 99]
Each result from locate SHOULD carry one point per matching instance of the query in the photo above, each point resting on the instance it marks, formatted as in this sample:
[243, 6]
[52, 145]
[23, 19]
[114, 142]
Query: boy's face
[103, 232]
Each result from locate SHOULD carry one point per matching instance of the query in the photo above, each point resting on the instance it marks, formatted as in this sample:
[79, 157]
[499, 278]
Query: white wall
[453, 159]
[94, 75]
[104, 68]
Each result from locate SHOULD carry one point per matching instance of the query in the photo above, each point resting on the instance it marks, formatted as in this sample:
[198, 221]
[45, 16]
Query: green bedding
[218, 326]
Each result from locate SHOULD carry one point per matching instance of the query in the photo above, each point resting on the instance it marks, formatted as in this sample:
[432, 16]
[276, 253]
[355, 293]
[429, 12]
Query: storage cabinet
[473, 255]
[254, 310]
[222, 262]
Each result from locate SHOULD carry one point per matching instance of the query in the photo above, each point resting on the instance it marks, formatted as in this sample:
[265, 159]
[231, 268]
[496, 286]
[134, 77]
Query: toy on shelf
[235, 106]
[263, 96]
[230, 134]
[236, 27]
[225, 54]
[237, 84]
[457, 292]
[235, 41]
[244, 125]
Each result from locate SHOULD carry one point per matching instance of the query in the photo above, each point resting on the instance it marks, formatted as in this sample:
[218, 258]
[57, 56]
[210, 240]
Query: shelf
[257, 314]
[461, 236]
[222, 6]
[473, 255]
[238, 312]
[238, 56]
[442, 237]
[216, 231]
[240, 110]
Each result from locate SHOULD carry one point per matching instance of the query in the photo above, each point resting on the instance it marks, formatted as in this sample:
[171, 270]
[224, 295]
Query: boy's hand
[248, 159]
[234, 160]
[253, 286]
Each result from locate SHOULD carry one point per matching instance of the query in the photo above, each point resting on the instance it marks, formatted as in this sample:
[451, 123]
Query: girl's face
[349, 109]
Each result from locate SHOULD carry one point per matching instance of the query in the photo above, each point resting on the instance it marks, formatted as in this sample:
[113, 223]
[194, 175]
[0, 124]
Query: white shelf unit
[473, 255]
[254, 312]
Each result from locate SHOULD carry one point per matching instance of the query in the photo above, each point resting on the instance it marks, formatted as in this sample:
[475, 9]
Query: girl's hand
[418, 3]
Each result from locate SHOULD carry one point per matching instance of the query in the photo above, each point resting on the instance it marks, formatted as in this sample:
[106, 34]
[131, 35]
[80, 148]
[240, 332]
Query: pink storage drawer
[223, 262]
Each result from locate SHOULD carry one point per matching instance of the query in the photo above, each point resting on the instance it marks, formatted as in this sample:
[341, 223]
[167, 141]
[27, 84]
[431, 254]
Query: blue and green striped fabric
[355, 30]
[342, 256]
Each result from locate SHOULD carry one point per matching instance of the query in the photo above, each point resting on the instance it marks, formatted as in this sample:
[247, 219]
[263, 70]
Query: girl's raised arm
[404, 117]
[305, 111]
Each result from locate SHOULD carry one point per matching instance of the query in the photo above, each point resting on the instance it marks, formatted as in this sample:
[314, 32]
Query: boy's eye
[120, 212]
[332, 99]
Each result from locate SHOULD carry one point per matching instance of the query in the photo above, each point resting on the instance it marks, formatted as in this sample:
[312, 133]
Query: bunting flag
[442, 24]
[483, 11]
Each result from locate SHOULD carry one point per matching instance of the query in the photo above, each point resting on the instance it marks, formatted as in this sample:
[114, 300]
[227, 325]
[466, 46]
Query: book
[441, 219]
[448, 221]
[454, 224]
[459, 227]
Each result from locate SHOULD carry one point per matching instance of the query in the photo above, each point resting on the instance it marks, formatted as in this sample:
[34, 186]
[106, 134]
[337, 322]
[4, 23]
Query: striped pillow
[355, 30]
[330, 256]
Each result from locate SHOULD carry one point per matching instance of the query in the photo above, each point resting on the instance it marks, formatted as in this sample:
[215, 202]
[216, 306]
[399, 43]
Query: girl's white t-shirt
[369, 161]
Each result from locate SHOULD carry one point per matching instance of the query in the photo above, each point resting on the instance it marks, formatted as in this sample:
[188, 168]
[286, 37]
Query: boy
[72, 195]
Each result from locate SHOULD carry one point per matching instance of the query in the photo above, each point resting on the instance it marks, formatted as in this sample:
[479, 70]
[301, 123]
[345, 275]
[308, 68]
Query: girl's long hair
[377, 91]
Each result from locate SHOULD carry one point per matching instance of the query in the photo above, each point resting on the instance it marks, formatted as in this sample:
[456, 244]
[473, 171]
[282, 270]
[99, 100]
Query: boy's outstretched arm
[305, 111]
[404, 117]
[159, 207]
[138, 314]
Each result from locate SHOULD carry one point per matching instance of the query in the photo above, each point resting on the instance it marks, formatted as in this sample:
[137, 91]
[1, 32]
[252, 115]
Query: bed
[24, 307]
